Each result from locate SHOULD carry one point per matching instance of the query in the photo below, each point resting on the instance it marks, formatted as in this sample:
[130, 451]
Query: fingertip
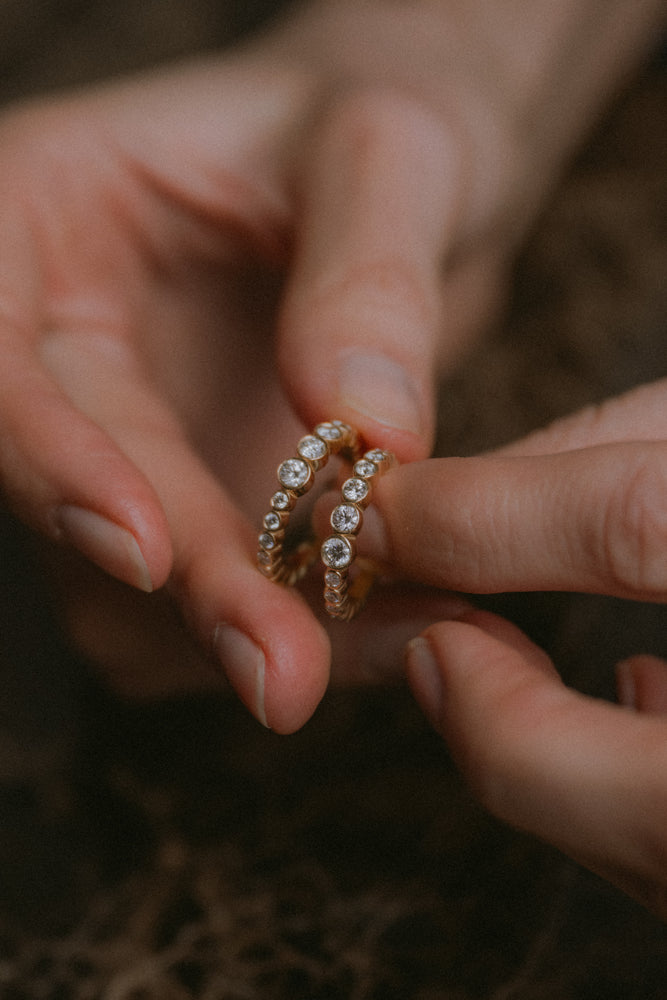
[277, 662]
[297, 675]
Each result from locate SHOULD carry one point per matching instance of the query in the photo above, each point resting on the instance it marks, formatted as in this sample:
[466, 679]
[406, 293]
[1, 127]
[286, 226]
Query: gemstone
[263, 558]
[267, 541]
[364, 468]
[333, 579]
[346, 518]
[280, 501]
[312, 447]
[331, 597]
[337, 553]
[377, 455]
[294, 473]
[272, 522]
[328, 432]
[355, 490]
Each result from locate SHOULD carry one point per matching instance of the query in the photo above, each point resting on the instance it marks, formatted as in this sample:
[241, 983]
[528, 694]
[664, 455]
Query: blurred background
[173, 851]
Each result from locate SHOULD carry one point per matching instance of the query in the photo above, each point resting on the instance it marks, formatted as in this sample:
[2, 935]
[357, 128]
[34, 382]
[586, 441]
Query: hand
[154, 234]
[579, 506]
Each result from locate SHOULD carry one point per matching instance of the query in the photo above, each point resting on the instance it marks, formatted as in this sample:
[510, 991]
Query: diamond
[331, 597]
[312, 447]
[337, 553]
[355, 490]
[267, 541]
[263, 558]
[365, 469]
[272, 522]
[346, 518]
[294, 473]
[333, 579]
[328, 432]
[377, 455]
[280, 501]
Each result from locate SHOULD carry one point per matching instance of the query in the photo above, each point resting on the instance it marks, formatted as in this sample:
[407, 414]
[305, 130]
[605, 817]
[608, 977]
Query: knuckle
[634, 530]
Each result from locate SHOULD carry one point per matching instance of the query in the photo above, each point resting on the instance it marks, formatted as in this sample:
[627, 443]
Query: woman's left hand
[580, 506]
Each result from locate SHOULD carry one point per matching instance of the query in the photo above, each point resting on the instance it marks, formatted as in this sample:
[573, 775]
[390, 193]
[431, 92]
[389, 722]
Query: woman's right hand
[197, 264]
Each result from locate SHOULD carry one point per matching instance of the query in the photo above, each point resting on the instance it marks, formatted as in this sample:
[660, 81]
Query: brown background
[176, 851]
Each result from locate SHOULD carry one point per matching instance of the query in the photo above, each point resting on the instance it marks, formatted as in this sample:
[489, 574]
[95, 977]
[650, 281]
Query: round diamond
[263, 558]
[377, 455]
[331, 597]
[337, 553]
[355, 490]
[333, 579]
[272, 522]
[267, 541]
[312, 447]
[346, 518]
[280, 501]
[328, 432]
[364, 468]
[294, 473]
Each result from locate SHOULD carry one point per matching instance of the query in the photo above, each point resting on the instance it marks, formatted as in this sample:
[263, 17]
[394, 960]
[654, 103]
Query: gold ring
[345, 595]
[285, 564]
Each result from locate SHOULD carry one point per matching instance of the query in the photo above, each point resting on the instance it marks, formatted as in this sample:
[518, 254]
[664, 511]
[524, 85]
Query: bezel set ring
[346, 585]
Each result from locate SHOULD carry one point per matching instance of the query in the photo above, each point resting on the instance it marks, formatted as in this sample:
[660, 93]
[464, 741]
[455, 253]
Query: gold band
[345, 595]
[276, 560]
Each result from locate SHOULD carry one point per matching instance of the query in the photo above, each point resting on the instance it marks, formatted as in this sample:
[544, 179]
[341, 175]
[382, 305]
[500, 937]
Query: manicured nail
[112, 548]
[425, 679]
[377, 387]
[244, 665]
[625, 685]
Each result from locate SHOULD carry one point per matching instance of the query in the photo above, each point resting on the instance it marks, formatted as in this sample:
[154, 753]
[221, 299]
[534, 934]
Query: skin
[198, 265]
[585, 775]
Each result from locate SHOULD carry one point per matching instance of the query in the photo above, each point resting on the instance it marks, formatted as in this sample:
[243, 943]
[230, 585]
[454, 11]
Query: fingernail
[425, 679]
[625, 685]
[244, 665]
[377, 387]
[112, 548]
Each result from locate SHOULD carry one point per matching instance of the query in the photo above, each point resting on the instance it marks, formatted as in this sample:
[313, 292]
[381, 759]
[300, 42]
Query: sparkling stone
[333, 579]
[337, 553]
[364, 468]
[263, 558]
[280, 501]
[331, 597]
[312, 447]
[329, 432]
[293, 473]
[355, 490]
[267, 541]
[346, 518]
[272, 522]
[377, 455]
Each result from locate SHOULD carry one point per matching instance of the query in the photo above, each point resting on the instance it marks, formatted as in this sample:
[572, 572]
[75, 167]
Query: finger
[65, 477]
[263, 637]
[363, 313]
[637, 415]
[583, 775]
[642, 684]
[590, 520]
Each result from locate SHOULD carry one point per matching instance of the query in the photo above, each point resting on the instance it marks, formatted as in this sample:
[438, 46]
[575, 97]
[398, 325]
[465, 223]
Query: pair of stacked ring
[344, 595]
